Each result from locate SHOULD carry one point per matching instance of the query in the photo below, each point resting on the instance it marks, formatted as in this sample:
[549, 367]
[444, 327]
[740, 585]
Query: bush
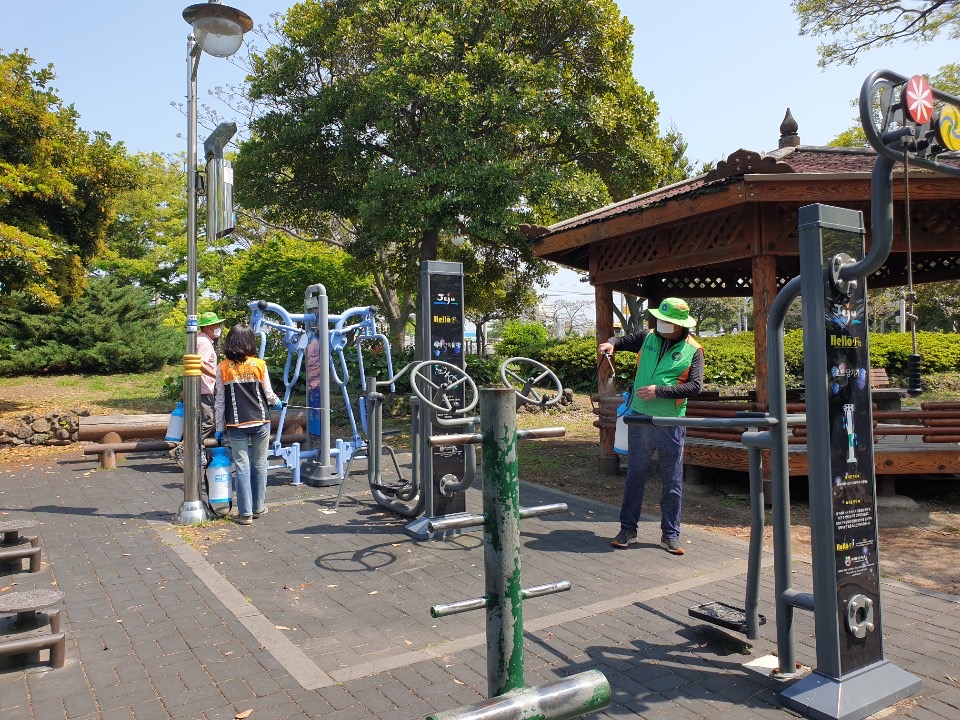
[522, 339]
[107, 330]
[729, 359]
[484, 371]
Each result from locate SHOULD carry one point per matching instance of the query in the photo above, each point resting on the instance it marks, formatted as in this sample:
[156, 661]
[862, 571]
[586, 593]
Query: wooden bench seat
[879, 378]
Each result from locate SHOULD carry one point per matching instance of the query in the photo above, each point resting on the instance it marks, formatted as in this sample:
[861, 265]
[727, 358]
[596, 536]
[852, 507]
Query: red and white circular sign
[918, 99]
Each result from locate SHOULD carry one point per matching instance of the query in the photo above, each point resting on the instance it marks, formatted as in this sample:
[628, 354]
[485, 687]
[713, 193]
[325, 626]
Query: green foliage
[728, 359]
[108, 329]
[280, 269]
[146, 243]
[859, 25]
[574, 360]
[940, 352]
[57, 186]
[793, 352]
[172, 388]
[522, 339]
[484, 371]
[413, 123]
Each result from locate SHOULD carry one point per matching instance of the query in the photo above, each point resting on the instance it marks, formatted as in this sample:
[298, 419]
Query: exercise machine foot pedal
[724, 615]
[390, 433]
[391, 489]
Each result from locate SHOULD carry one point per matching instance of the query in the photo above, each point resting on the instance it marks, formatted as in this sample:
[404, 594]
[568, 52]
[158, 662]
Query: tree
[633, 318]
[493, 291]
[413, 122]
[110, 328]
[280, 269]
[568, 317]
[57, 186]
[716, 314]
[146, 243]
[863, 24]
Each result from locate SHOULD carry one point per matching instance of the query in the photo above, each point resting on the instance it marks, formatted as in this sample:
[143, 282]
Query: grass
[124, 393]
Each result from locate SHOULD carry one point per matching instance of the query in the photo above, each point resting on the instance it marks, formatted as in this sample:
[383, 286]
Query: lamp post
[217, 30]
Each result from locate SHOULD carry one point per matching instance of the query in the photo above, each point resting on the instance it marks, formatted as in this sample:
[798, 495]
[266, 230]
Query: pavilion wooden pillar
[608, 462]
[764, 274]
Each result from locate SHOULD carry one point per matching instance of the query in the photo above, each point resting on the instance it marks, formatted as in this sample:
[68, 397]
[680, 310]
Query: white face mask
[217, 332]
[665, 328]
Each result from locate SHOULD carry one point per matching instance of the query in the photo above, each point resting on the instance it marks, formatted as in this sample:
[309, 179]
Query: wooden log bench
[28, 631]
[120, 434]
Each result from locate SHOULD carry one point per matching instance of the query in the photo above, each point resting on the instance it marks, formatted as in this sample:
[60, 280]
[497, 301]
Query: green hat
[209, 318]
[674, 310]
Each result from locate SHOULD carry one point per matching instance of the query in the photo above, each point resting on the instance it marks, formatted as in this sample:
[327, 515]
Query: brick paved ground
[317, 614]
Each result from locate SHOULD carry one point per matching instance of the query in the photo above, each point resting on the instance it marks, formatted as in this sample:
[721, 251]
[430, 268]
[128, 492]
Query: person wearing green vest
[669, 371]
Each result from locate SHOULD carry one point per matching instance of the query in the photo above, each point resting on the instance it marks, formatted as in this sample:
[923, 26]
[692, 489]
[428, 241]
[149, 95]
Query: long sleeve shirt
[694, 384]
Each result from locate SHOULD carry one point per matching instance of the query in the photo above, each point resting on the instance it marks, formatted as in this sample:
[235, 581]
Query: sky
[723, 73]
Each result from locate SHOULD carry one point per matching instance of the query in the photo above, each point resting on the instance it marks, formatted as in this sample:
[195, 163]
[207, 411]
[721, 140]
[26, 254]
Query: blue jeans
[248, 446]
[668, 442]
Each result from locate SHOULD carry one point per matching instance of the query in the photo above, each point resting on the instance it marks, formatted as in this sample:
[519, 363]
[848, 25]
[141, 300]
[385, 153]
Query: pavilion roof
[801, 159]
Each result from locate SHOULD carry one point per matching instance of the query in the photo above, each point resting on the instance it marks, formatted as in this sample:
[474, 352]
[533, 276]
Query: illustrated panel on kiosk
[851, 456]
[446, 345]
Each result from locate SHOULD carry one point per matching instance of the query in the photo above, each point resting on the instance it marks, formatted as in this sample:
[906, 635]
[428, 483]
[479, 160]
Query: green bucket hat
[209, 318]
[674, 310]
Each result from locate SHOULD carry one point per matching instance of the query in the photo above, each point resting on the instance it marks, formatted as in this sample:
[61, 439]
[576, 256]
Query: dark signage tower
[440, 338]
[852, 679]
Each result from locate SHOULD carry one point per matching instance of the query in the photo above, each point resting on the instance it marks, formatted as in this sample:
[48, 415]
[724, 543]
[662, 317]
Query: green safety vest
[672, 369]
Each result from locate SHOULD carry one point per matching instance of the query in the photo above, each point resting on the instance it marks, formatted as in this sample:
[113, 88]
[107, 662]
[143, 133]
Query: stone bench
[15, 546]
[28, 632]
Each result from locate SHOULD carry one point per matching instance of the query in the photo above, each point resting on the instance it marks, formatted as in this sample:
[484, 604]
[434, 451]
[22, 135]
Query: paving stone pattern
[310, 613]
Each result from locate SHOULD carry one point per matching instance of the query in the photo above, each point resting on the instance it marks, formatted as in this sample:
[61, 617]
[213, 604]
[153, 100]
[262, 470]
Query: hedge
[729, 360]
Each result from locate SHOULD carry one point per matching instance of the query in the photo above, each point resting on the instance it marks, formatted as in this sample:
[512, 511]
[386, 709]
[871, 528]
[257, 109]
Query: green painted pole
[501, 554]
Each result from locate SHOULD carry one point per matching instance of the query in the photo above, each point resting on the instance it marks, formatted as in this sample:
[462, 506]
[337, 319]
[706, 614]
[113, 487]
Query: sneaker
[624, 538]
[244, 520]
[258, 513]
[671, 545]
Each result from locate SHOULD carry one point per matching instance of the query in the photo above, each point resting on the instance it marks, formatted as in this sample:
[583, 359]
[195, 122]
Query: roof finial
[788, 131]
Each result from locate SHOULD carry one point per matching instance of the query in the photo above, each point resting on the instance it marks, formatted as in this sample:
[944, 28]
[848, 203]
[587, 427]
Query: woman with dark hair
[244, 400]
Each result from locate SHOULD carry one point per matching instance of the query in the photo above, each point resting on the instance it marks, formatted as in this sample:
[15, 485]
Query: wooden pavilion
[733, 233]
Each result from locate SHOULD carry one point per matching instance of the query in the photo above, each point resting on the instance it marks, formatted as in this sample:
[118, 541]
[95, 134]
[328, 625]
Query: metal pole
[501, 547]
[780, 477]
[192, 510]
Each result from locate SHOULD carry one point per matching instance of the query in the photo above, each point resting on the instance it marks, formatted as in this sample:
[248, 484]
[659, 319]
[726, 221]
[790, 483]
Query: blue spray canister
[620, 437]
[175, 426]
[218, 476]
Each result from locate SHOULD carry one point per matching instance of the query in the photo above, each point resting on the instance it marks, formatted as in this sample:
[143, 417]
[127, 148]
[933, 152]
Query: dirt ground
[919, 546]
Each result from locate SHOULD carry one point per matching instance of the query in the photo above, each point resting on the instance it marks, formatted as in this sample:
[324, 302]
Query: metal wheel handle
[528, 391]
[432, 393]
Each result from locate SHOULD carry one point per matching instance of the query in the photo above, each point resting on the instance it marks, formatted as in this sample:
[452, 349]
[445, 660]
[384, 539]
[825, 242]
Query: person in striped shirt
[243, 402]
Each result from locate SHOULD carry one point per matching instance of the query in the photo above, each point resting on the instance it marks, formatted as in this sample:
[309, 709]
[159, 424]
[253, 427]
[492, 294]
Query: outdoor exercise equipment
[852, 679]
[440, 473]
[322, 340]
[444, 396]
[503, 598]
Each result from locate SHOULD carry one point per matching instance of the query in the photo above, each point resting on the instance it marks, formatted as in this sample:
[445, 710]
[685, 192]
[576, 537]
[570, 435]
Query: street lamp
[217, 30]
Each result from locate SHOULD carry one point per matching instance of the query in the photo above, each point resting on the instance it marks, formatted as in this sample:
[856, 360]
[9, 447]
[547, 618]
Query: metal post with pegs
[503, 599]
